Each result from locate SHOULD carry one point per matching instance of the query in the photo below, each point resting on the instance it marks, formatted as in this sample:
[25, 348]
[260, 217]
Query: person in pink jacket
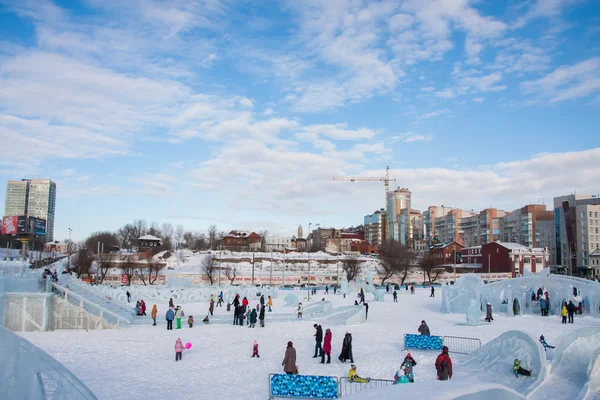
[178, 349]
[326, 347]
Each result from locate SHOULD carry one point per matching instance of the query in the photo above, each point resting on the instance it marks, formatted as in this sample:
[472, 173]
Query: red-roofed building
[241, 241]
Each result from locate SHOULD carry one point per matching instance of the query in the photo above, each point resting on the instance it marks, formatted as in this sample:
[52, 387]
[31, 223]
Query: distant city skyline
[239, 115]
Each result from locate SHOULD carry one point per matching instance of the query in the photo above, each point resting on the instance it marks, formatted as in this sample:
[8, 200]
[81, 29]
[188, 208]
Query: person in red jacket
[443, 365]
[326, 347]
[245, 303]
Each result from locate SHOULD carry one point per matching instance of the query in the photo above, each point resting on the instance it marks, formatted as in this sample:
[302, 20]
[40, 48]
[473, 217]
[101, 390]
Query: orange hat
[409, 355]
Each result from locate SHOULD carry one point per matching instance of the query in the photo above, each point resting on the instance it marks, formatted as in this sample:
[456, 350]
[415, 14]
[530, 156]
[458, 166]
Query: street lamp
[69, 249]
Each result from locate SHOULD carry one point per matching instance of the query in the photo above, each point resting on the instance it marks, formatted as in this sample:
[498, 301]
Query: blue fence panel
[304, 386]
[422, 342]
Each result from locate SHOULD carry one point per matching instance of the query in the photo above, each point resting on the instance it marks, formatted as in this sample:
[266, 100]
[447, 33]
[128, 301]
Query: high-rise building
[481, 228]
[32, 198]
[577, 226]
[527, 226]
[375, 227]
[447, 228]
[398, 202]
[429, 218]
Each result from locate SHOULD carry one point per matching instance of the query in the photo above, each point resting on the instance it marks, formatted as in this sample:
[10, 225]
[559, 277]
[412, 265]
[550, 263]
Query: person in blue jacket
[170, 317]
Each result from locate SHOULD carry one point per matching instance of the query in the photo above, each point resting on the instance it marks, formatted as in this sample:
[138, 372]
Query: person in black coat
[346, 353]
[571, 311]
[236, 301]
[318, 340]
[366, 310]
[261, 317]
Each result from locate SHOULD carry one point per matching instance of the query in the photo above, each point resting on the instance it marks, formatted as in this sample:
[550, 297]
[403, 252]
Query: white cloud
[447, 93]
[428, 89]
[433, 114]
[155, 184]
[246, 102]
[478, 99]
[411, 137]
[543, 9]
[567, 82]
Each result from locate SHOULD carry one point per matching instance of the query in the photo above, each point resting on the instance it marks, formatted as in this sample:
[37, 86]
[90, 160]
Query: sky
[239, 113]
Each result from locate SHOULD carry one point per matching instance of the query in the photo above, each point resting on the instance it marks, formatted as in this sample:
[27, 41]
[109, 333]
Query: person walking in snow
[387, 288]
[366, 310]
[346, 353]
[300, 308]
[563, 314]
[128, 296]
[326, 289]
[545, 344]
[245, 303]
[326, 347]
[235, 315]
[143, 304]
[252, 318]
[153, 314]
[191, 321]
[220, 301]
[236, 300]
[335, 290]
[211, 308]
[255, 349]
[424, 329]
[443, 365]
[412, 289]
[543, 307]
[571, 311]
[395, 296]
[518, 370]
[407, 367]
[270, 303]
[178, 349]
[138, 308]
[488, 313]
[289, 361]
[261, 317]
[170, 316]
[540, 293]
[318, 340]
[178, 316]
[171, 304]
[432, 291]
[262, 301]
[241, 316]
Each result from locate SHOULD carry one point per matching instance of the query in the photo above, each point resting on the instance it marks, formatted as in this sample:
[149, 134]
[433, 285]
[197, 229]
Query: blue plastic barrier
[303, 386]
[422, 342]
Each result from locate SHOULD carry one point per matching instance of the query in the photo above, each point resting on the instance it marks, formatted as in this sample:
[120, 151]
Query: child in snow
[255, 349]
[563, 314]
[407, 366]
[300, 310]
[205, 320]
[191, 321]
[354, 377]
[178, 349]
[518, 370]
[546, 345]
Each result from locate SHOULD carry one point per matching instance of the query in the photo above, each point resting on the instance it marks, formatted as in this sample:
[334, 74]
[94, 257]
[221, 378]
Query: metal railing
[88, 306]
[461, 345]
[84, 290]
[348, 387]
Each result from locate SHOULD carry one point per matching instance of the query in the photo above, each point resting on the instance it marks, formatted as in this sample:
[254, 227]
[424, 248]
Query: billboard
[37, 226]
[9, 225]
[21, 225]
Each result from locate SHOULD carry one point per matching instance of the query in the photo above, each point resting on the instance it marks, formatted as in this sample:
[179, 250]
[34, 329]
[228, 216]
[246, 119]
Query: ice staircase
[111, 309]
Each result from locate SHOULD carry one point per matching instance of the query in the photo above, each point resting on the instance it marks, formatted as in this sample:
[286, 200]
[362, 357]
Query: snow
[138, 362]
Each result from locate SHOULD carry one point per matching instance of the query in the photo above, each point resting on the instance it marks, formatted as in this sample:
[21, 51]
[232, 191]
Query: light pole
[271, 273]
[308, 283]
[220, 262]
[283, 278]
[69, 248]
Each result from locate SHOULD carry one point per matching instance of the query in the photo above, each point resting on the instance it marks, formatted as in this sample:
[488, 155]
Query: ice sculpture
[291, 300]
[473, 313]
[344, 287]
[379, 294]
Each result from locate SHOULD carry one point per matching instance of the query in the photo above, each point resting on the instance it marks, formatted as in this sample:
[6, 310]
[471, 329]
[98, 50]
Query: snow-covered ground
[139, 362]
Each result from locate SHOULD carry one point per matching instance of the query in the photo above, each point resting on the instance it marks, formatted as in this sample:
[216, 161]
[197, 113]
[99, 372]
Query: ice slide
[575, 370]
[493, 363]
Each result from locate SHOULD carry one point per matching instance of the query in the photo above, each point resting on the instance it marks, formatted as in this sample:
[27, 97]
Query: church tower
[300, 231]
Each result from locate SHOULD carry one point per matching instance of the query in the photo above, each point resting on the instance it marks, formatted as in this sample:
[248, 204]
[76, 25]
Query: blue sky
[238, 113]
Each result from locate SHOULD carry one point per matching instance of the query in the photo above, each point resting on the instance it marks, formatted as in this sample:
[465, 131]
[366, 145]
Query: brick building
[509, 258]
[446, 253]
[241, 241]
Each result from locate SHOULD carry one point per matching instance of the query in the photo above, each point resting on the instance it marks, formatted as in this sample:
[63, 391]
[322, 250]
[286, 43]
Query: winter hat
[489, 304]
[254, 343]
[290, 344]
[542, 337]
[445, 349]
[409, 355]
[327, 330]
[352, 366]
[315, 325]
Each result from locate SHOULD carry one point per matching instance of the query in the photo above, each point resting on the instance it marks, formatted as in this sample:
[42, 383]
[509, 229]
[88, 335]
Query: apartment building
[481, 228]
[398, 202]
[447, 228]
[429, 217]
[375, 227]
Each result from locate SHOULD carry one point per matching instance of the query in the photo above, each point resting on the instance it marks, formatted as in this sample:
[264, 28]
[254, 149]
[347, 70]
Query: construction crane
[385, 179]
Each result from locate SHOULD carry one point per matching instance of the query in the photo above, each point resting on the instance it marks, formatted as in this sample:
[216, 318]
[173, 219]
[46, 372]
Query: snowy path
[567, 380]
[138, 362]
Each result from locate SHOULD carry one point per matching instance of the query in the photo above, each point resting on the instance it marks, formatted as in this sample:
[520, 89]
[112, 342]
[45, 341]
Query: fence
[455, 344]
[461, 345]
[303, 386]
[348, 387]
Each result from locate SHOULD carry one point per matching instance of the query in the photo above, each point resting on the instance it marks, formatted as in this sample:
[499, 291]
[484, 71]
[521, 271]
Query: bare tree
[212, 236]
[352, 266]
[397, 257]
[431, 267]
[140, 273]
[106, 238]
[179, 232]
[128, 267]
[230, 273]
[154, 269]
[167, 230]
[83, 263]
[263, 239]
[102, 268]
[209, 268]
